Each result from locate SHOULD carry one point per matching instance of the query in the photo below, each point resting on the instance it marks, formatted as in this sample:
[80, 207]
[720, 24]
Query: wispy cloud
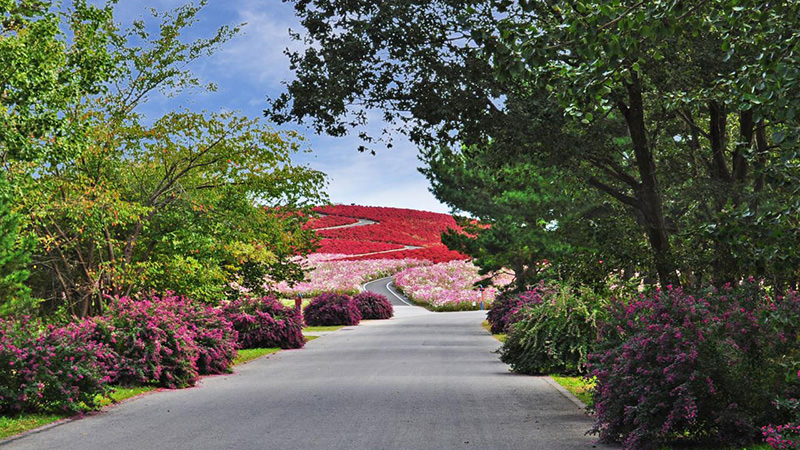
[252, 67]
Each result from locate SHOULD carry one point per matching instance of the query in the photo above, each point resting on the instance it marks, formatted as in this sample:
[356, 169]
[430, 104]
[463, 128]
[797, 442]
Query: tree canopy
[679, 114]
[196, 203]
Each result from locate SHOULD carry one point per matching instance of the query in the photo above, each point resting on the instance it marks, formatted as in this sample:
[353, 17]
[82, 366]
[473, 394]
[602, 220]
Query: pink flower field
[329, 274]
[447, 285]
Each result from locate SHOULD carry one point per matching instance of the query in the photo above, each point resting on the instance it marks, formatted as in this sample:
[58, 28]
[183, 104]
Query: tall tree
[681, 113]
[188, 202]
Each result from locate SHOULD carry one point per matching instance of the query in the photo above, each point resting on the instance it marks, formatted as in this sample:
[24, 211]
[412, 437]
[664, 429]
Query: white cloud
[257, 53]
[252, 66]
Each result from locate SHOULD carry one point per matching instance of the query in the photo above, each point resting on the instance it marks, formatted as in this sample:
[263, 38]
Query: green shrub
[556, 335]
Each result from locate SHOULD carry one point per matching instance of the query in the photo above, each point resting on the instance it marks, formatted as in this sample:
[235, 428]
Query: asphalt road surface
[386, 287]
[419, 381]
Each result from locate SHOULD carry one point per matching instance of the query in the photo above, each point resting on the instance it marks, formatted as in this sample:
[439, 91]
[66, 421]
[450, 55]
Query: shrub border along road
[578, 390]
[13, 428]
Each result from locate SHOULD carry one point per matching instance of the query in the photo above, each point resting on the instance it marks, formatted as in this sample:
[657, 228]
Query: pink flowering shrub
[332, 309]
[673, 365]
[50, 369]
[265, 322]
[782, 437]
[373, 306]
[506, 305]
[154, 343]
[786, 436]
[214, 335]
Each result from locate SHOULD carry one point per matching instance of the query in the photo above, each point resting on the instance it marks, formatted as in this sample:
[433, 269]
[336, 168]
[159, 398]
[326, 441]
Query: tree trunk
[648, 194]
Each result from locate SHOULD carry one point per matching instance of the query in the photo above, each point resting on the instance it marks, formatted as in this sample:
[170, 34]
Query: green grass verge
[9, 426]
[250, 354]
[578, 386]
[290, 302]
[500, 337]
[322, 328]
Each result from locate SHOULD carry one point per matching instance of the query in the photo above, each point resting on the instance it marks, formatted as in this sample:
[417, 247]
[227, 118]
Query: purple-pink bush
[215, 336]
[506, 306]
[373, 306]
[332, 309]
[673, 365]
[51, 369]
[154, 342]
[265, 322]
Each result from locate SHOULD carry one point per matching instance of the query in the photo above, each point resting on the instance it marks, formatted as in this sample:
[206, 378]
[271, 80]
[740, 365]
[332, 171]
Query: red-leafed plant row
[349, 247]
[329, 221]
[396, 227]
[400, 226]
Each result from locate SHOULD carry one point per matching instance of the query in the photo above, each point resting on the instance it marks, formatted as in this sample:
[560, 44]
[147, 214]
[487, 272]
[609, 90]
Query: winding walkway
[361, 223]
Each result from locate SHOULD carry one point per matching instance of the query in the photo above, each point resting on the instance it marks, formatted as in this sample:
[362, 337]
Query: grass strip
[578, 386]
[322, 328]
[9, 426]
[12, 425]
[500, 337]
[249, 354]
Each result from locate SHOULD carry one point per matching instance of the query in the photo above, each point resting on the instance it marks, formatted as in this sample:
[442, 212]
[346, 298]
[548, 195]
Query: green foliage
[15, 250]
[682, 167]
[49, 60]
[188, 202]
[556, 335]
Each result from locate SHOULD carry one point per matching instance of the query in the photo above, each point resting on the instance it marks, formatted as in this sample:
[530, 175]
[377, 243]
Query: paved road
[419, 381]
[386, 287]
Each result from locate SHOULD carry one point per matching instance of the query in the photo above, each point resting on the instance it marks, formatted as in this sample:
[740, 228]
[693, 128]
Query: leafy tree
[14, 256]
[680, 114]
[48, 61]
[188, 202]
[50, 57]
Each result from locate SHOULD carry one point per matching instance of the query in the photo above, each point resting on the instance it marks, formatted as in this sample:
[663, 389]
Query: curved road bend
[385, 286]
[419, 381]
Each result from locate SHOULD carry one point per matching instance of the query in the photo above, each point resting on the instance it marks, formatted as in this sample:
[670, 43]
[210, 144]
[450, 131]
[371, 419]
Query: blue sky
[252, 66]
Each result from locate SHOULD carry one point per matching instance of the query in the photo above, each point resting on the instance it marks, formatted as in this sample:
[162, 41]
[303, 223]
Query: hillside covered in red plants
[396, 234]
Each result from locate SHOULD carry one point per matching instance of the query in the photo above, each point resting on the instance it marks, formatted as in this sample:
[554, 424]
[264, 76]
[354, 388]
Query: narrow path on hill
[419, 381]
[360, 223]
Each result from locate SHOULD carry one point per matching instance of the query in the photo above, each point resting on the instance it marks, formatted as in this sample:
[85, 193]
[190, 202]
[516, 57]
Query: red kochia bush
[51, 369]
[328, 221]
[676, 366]
[265, 322]
[373, 306]
[154, 342]
[506, 306]
[332, 309]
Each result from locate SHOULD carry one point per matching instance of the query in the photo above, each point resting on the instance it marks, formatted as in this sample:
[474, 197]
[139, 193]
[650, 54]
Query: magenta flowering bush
[782, 437]
[50, 369]
[506, 305]
[214, 335]
[673, 365]
[265, 322]
[154, 342]
[786, 436]
[332, 309]
[373, 306]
